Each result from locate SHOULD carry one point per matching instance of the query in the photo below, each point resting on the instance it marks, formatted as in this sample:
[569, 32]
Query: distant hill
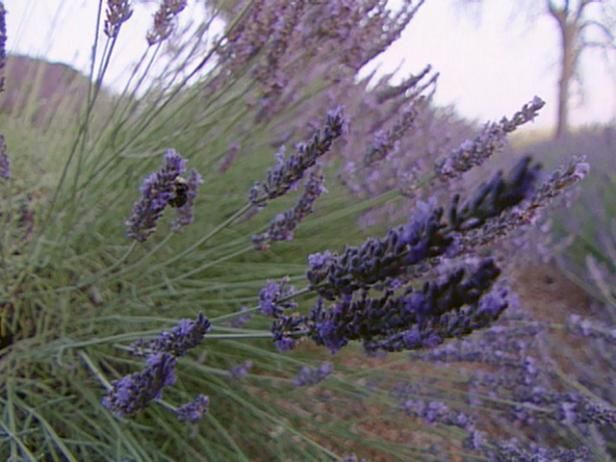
[41, 90]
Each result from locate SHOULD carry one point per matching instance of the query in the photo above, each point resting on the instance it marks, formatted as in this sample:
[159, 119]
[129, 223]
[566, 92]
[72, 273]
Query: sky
[489, 66]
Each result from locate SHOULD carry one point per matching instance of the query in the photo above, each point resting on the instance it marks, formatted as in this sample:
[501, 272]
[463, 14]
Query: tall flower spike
[308, 376]
[283, 226]
[287, 172]
[118, 12]
[379, 259]
[492, 139]
[134, 392]
[5, 163]
[183, 337]
[193, 411]
[2, 44]
[164, 20]
[157, 190]
[413, 320]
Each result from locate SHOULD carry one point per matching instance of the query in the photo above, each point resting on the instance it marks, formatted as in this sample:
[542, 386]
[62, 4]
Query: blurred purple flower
[193, 411]
[308, 376]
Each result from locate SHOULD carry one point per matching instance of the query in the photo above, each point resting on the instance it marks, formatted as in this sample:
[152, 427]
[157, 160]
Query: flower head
[118, 12]
[159, 190]
[193, 411]
[134, 392]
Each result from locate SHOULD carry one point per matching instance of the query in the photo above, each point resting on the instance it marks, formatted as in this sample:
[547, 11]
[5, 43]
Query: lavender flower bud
[164, 20]
[241, 370]
[118, 12]
[134, 392]
[283, 226]
[240, 321]
[286, 330]
[379, 259]
[193, 411]
[492, 139]
[414, 319]
[287, 172]
[5, 163]
[270, 298]
[186, 335]
[493, 197]
[308, 376]
[2, 46]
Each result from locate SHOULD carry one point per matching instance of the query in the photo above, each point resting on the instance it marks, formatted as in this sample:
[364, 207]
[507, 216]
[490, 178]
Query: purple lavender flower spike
[164, 20]
[157, 190]
[134, 392]
[283, 226]
[193, 411]
[185, 212]
[270, 298]
[241, 370]
[378, 260]
[118, 12]
[240, 321]
[5, 163]
[186, 335]
[452, 307]
[308, 376]
[287, 172]
[2, 44]
[492, 139]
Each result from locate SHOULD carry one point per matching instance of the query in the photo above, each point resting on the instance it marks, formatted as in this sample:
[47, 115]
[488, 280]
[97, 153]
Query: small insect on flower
[180, 196]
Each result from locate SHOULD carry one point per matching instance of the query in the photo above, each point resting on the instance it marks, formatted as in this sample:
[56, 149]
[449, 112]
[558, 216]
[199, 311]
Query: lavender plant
[123, 339]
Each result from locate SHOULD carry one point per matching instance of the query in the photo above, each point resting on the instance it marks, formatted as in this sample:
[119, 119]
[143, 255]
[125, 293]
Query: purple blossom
[2, 48]
[308, 376]
[492, 139]
[157, 191]
[184, 215]
[134, 392]
[186, 335]
[413, 320]
[5, 163]
[283, 226]
[380, 259]
[240, 321]
[118, 12]
[164, 20]
[272, 298]
[241, 370]
[286, 331]
[287, 172]
[194, 410]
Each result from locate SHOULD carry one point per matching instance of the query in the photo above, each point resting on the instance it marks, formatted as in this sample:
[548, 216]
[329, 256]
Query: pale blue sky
[488, 68]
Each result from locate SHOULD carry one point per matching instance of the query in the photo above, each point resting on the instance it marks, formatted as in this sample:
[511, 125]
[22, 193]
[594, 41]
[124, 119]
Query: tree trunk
[568, 33]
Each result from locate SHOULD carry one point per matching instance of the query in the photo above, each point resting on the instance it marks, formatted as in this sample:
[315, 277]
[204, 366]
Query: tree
[582, 25]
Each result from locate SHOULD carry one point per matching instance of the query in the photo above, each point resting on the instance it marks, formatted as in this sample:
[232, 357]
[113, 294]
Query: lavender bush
[237, 310]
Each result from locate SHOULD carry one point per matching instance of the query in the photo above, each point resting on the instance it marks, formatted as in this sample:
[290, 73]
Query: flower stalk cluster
[133, 392]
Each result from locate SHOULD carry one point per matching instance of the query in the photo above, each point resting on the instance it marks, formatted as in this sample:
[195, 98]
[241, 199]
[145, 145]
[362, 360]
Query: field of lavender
[255, 252]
